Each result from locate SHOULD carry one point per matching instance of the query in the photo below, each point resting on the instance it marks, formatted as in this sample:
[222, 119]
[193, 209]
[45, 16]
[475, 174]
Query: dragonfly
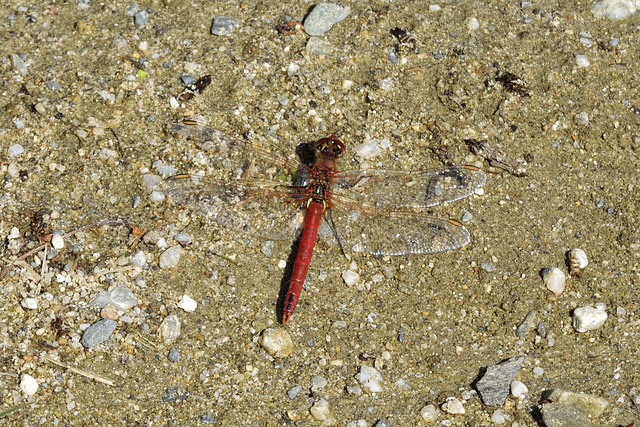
[273, 194]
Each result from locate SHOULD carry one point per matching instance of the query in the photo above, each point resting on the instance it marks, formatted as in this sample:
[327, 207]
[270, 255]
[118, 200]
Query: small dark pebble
[98, 333]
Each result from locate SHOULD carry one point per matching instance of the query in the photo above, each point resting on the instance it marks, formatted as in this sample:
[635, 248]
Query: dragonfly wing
[230, 158]
[266, 210]
[380, 233]
[412, 189]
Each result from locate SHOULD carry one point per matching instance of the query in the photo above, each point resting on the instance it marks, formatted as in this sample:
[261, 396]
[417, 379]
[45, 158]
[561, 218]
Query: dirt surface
[92, 107]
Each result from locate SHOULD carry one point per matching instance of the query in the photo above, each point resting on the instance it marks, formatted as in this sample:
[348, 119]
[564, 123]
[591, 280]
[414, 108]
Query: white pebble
[139, 259]
[157, 196]
[538, 371]
[28, 384]
[577, 260]
[582, 61]
[452, 406]
[615, 9]
[14, 233]
[57, 241]
[320, 410]
[473, 24]
[350, 277]
[498, 417]
[277, 342]
[588, 318]
[29, 303]
[429, 413]
[169, 329]
[187, 303]
[370, 378]
[518, 389]
[16, 150]
[170, 257]
[554, 279]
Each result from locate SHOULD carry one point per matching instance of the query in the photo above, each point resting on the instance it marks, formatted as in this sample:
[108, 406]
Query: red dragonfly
[374, 211]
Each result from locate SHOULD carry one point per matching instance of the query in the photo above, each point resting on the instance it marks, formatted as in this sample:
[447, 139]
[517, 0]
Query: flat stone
[559, 415]
[495, 383]
[224, 25]
[323, 17]
[98, 333]
[588, 404]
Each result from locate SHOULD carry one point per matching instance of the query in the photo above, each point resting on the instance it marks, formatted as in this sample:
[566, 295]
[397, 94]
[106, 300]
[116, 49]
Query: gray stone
[495, 383]
[98, 333]
[224, 25]
[123, 298]
[323, 17]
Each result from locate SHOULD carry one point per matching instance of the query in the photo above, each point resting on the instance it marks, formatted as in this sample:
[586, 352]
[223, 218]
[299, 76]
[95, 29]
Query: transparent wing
[231, 158]
[260, 209]
[383, 232]
[246, 187]
[412, 189]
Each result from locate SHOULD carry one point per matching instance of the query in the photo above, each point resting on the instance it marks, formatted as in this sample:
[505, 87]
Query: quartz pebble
[169, 329]
[122, 298]
[277, 342]
[98, 333]
[28, 384]
[139, 259]
[498, 417]
[294, 391]
[170, 257]
[187, 303]
[57, 241]
[29, 303]
[429, 413]
[588, 318]
[370, 378]
[577, 261]
[320, 410]
[318, 382]
[590, 405]
[518, 389]
[323, 16]
[554, 279]
[224, 25]
[350, 277]
[15, 150]
[453, 406]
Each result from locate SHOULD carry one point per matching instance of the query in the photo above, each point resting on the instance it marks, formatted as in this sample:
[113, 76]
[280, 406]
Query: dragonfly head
[330, 146]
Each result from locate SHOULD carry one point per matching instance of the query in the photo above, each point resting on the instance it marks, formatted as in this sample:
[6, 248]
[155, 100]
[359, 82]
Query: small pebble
[538, 371]
[582, 61]
[317, 46]
[350, 277]
[453, 406]
[224, 25]
[277, 342]
[16, 150]
[57, 241]
[139, 259]
[188, 304]
[174, 354]
[368, 151]
[498, 417]
[318, 382]
[267, 248]
[554, 279]
[320, 410]
[29, 303]
[98, 333]
[294, 391]
[429, 413]
[577, 261]
[323, 16]
[122, 298]
[183, 238]
[588, 318]
[583, 120]
[157, 196]
[141, 17]
[473, 24]
[615, 9]
[169, 329]
[493, 387]
[518, 389]
[488, 267]
[28, 384]
[370, 378]
[170, 257]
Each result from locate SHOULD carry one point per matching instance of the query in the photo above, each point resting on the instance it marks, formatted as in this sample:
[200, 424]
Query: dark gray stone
[493, 387]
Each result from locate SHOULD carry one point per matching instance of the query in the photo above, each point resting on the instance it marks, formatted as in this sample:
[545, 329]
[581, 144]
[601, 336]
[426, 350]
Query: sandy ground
[92, 110]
